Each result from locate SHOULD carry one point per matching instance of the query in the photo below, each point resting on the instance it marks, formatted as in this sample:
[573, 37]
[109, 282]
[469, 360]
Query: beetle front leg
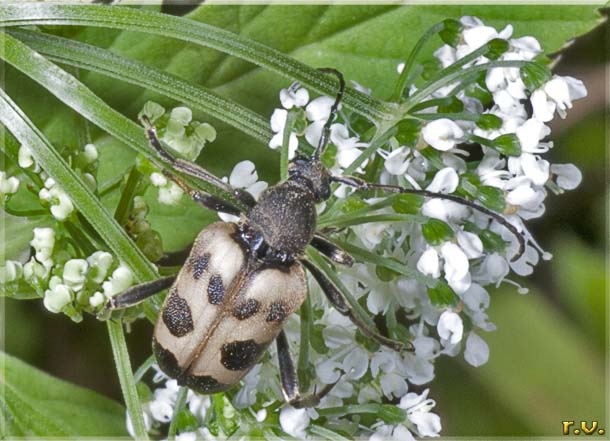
[290, 380]
[335, 297]
[192, 169]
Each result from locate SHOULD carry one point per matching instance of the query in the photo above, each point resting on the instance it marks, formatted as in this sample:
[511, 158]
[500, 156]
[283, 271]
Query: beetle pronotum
[240, 281]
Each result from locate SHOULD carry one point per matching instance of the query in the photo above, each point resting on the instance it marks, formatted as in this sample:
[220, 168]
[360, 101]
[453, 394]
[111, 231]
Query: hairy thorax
[285, 215]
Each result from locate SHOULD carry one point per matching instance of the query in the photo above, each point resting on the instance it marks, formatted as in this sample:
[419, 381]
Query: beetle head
[313, 174]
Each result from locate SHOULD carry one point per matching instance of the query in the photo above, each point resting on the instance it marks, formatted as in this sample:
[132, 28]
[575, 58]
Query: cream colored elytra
[223, 311]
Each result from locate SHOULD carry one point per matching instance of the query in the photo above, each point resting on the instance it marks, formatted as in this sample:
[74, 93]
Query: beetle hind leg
[290, 380]
[338, 301]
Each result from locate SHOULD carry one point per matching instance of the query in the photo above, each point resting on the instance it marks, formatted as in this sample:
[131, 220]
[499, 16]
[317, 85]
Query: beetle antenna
[325, 137]
[364, 185]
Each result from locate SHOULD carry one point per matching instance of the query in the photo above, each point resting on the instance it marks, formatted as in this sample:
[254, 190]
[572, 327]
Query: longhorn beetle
[241, 281]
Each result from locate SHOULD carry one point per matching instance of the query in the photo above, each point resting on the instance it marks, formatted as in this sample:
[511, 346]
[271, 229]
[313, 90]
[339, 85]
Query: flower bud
[7, 186]
[11, 271]
[58, 297]
[75, 273]
[43, 242]
[152, 111]
[90, 153]
[99, 263]
[120, 280]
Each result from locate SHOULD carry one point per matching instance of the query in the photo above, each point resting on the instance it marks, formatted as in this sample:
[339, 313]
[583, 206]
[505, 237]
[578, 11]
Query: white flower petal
[470, 243]
[428, 424]
[477, 351]
[319, 108]
[568, 175]
[429, 264]
[294, 421]
[243, 174]
[456, 262]
[450, 327]
[543, 108]
[446, 180]
[442, 134]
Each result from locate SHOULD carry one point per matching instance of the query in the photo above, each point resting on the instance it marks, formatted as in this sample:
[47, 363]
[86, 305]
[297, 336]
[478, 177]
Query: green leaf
[36, 404]
[508, 144]
[442, 295]
[492, 198]
[436, 231]
[407, 203]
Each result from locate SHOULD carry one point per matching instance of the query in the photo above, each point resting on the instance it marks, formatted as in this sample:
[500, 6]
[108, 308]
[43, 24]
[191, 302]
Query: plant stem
[452, 77]
[144, 367]
[126, 379]
[180, 401]
[306, 314]
[285, 151]
[405, 74]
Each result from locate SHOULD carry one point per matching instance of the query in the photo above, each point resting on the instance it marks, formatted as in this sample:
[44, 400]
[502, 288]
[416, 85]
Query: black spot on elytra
[240, 355]
[177, 315]
[277, 312]
[216, 290]
[166, 360]
[199, 264]
[246, 308]
[204, 384]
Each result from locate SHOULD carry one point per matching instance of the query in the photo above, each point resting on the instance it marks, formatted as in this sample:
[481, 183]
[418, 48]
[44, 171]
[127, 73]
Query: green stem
[306, 314]
[25, 213]
[144, 367]
[363, 255]
[180, 402]
[325, 433]
[458, 116]
[350, 220]
[126, 379]
[380, 138]
[140, 20]
[404, 75]
[285, 151]
[452, 77]
[121, 213]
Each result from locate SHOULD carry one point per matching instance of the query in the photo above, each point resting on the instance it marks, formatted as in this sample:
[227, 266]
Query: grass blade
[200, 33]
[89, 57]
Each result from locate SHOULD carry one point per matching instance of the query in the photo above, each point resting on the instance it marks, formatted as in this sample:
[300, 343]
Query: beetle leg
[335, 297]
[290, 380]
[211, 202]
[330, 250]
[137, 293]
[361, 184]
[192, 169]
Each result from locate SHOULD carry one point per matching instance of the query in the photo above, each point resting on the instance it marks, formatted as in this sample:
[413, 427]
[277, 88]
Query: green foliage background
[548, 356]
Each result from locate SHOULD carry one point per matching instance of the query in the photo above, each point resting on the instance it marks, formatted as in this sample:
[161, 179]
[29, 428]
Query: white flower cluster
[490, 152]
[316, 113]
[67, 285]
[183, 135]
[160, 409]
[244, 177]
